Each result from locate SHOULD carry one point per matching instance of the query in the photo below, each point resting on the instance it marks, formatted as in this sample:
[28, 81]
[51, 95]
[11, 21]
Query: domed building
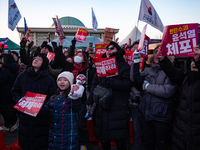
[70, 26]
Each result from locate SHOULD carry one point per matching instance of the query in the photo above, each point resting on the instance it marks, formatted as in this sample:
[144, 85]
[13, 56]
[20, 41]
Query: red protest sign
[106, 67]
[100, 49]
[59, 28]
[31, 103]
[50, 56]
[179, 40]
[142, 63]
[141, 43]
[81, 35]
[144, 51]
[128, 56]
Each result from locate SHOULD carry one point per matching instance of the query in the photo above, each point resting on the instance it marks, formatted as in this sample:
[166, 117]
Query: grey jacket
[156, 101]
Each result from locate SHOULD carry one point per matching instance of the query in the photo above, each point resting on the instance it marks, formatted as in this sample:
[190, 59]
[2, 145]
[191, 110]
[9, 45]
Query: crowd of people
[147, 97]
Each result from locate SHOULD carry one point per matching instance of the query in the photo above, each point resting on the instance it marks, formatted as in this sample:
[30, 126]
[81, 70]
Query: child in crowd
[63, 114]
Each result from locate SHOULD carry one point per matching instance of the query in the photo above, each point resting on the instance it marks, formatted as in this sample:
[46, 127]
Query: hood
[13, 67]
[31, 72]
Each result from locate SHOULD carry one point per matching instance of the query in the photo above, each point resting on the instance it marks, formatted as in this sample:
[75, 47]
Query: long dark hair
[8, 59]
[65, 92]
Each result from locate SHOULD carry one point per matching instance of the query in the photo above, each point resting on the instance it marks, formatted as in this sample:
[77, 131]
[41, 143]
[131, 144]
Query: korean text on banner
[144, 51]
[149, 15]
[106, 67]
[100, 49]
[128, 56]
[59, 28]
[13, 15]
[180, 40]
[142, 63]
[108, 35]
[31, 103]
[141, 43]
[81, 35]
[50, 56]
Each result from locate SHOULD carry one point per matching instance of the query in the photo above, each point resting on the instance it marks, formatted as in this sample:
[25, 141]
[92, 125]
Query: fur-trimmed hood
[150, 59]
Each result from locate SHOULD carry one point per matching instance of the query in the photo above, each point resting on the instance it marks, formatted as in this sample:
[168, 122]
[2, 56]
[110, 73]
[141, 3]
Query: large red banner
[106, 67]
[179, 40]
[31, 103]
[81, 35]
[100, 49]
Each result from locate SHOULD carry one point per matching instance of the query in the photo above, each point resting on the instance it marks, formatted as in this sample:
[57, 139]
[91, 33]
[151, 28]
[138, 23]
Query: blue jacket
[63, 119]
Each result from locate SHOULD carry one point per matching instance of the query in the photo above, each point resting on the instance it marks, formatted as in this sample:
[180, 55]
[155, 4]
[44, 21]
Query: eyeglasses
[38, 58]
[110, 48]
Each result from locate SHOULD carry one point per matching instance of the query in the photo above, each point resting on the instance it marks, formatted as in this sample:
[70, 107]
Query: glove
[74, 42]
[23, 43]
[30, 45]
[145, 84]
[104, 81]
[54, 44]
[136, 57]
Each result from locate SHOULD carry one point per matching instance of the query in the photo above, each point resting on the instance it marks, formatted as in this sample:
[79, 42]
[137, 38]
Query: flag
[94, 21]
[149, 15]
[25, 26]
[13, 15]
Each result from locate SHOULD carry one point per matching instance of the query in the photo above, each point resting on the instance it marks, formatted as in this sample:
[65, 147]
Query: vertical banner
[31, 103]
[144, 51]
[59, 28]
[94, 21]
[108, 35]
[141, 43]
[141, 63]
[100, 49]
[180, 40]
[81, 35]
[106, 67]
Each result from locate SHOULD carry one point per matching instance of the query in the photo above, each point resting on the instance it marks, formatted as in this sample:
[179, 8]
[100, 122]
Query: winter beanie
[68, 75]
[45, 62]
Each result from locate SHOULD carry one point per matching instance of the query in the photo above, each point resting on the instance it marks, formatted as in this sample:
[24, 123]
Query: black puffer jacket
[186, 128]
[7, 79]
[33, 131]
[113, 124]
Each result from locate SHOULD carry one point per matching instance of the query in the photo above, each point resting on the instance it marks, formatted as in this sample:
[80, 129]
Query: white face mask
[78, 59]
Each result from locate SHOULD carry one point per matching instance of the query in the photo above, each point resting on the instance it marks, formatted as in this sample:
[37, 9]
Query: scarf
[76, 70]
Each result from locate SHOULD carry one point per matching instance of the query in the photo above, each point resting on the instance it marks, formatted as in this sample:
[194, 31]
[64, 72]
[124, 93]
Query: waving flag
[25, 27]
[149, 15]
[94, 21]
[13, 15]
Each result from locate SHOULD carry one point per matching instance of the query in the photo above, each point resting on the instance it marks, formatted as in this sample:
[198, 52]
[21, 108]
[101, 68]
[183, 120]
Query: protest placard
[59, 28]
[100, 49]
[144, 51]
[31, 103]
[81, 35]
[108, 35]
[141, 43]
[50, 56]
[180, 40]
[106, 67]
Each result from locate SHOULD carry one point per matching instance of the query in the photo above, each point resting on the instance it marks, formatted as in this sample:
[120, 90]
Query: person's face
[193, 67]
[14, 56]
[155, 56]
[44, 50]
[37, 62]
[110, 50]
[80, 55]
[63, 83]
[134, 47]
[65, 53]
